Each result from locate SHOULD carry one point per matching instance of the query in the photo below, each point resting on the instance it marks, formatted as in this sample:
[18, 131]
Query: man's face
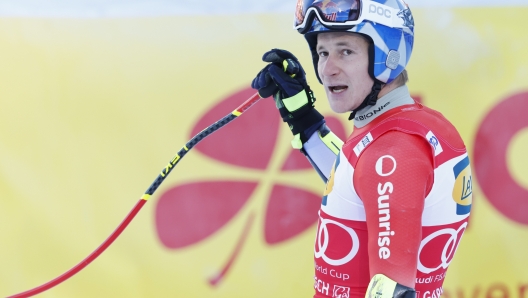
[343, 69]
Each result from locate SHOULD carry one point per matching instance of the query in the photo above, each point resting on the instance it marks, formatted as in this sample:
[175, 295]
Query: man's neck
[394, 98]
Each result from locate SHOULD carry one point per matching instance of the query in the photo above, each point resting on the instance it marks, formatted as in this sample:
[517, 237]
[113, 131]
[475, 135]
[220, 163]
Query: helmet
[388, 24]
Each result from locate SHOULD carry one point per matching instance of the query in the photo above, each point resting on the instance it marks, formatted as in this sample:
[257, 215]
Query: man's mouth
[338, 88]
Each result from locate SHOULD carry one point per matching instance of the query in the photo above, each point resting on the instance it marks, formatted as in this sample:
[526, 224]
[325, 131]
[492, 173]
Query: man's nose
[330, 66]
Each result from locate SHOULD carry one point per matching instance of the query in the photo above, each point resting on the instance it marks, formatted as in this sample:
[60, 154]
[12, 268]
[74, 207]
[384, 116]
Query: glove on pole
[285, 79]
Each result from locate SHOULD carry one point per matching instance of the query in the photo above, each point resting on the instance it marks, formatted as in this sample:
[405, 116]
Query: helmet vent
[393, 59]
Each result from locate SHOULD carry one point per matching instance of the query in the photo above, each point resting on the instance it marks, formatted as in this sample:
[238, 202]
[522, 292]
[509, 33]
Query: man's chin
[339, 109]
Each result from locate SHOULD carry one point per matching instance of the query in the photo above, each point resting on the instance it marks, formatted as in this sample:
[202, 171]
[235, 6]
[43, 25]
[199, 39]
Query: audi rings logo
[323, 238]
[448, 251]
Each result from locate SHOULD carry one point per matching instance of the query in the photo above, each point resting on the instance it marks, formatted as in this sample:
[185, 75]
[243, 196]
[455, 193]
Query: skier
[398, 190]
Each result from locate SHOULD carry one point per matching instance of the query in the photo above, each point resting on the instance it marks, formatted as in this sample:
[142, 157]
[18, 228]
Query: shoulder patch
[363, 144]
[433, 140]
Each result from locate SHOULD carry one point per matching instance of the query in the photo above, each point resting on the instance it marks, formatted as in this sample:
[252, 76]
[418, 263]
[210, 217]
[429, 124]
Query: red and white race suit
[397, 202]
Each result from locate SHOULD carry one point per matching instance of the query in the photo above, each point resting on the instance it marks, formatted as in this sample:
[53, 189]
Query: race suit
[397, 199]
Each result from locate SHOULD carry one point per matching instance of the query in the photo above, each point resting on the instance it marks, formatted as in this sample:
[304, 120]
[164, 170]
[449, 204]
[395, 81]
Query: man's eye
[323, 54]
[347, 52]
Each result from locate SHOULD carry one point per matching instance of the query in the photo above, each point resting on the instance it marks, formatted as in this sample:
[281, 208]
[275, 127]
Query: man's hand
[284, 73]
[381, 286]
[285, 79]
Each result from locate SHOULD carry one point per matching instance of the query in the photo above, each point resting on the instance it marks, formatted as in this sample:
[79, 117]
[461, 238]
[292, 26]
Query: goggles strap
[370, 100]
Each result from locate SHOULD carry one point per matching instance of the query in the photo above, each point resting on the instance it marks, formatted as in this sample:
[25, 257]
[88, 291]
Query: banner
[94, 108]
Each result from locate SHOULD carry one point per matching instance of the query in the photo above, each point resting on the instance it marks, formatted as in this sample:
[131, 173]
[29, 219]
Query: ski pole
[150, 191]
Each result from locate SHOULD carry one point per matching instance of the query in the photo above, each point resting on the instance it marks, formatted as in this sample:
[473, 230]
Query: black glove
[285, 79]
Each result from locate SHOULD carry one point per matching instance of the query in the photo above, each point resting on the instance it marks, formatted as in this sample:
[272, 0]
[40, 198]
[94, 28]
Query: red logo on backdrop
[189, 213]
[491, 169]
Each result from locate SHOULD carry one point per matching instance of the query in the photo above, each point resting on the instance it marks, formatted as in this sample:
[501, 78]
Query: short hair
[402, 78]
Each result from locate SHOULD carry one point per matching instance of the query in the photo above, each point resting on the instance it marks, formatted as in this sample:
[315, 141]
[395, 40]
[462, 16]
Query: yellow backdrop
[93, 109]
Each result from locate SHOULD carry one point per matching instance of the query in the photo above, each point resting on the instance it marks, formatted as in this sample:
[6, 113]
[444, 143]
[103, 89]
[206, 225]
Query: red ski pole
[150, 191]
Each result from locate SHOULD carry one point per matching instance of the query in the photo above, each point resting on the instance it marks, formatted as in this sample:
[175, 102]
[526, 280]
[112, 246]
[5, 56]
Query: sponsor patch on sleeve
[433, 140]
[363, 144]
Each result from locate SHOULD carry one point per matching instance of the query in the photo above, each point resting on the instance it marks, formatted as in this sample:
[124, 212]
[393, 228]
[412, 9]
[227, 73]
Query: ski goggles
[344, 14]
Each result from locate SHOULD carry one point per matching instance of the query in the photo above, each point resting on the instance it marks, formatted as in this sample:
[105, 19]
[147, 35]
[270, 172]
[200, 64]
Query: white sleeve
[321, 150]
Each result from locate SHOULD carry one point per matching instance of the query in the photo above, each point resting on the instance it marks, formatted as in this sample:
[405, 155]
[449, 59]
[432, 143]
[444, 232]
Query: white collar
[397, 97]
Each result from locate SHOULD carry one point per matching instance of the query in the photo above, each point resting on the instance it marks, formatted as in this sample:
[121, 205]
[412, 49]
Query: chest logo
[330, 183]
[463, 188]
[324, 243]
[437, 256]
